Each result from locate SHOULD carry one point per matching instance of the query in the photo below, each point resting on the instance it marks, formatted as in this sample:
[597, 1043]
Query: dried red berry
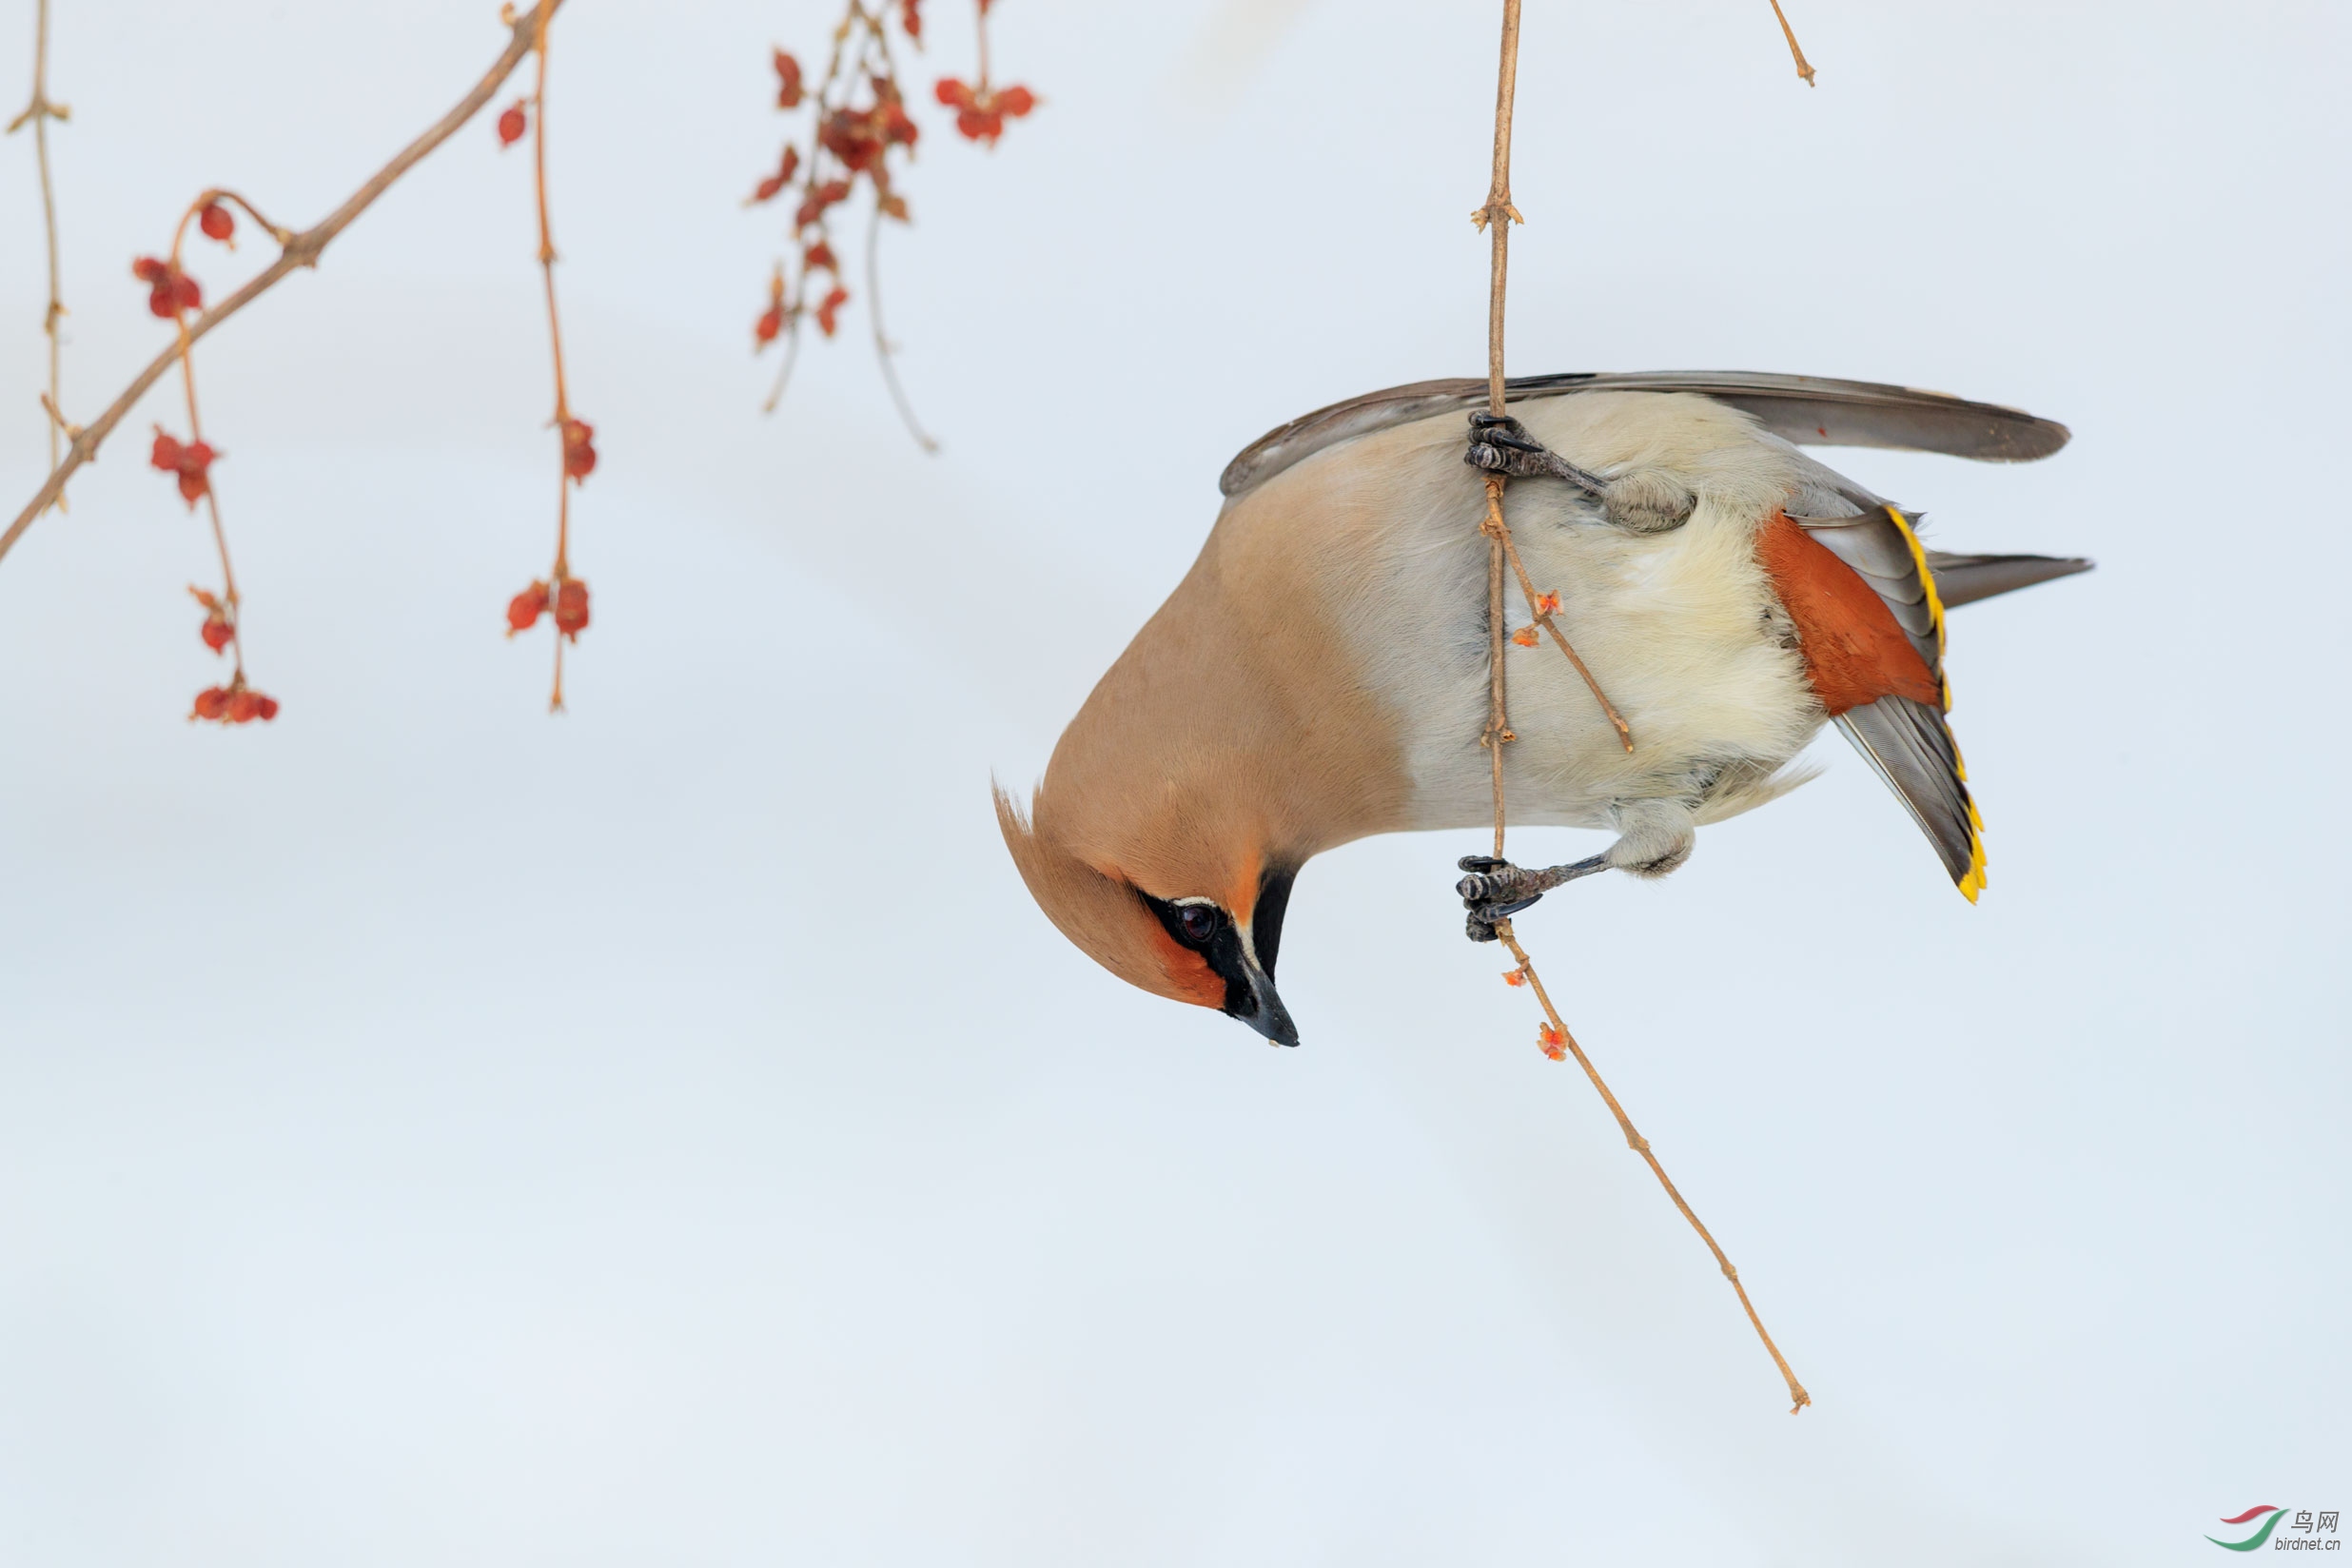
[216, 631]
[820, 255]
[580, 452]
[787, 81]
[829, 313]
[216, 220]
[854, 136]
[769, 326]
[170, 290]
[572, 608]
[910, 17]
[192, 463]
[211, 703]
[783, 176]
[523, 610]
[981, 111]
[813, 206]
[244, 706]
[512, 123]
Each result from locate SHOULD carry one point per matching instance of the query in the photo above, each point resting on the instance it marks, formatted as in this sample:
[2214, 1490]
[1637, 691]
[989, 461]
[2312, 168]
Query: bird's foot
[1497, 889]
[1499, 444]
[1641, 501]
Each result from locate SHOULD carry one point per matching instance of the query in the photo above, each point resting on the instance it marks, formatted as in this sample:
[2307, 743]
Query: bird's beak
[1265, 1011]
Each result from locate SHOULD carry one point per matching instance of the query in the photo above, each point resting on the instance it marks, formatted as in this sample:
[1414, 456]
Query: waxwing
[1321, 672]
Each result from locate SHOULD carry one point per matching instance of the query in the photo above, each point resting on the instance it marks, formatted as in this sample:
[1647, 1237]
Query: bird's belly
[1680, 629]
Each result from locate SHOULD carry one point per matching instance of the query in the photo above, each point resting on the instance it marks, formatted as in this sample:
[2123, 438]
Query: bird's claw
[1496, 889]
[1499, 444]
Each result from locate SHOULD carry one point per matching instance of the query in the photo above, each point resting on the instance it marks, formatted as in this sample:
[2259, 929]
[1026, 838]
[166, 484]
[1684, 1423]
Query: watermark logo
[2307, 1531]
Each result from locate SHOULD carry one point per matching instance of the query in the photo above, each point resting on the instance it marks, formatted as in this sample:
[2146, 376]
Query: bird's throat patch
[1854, 651]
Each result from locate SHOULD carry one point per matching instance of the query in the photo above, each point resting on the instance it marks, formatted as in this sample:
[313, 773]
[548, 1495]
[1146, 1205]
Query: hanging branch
[38, 115]
[171, 292]
[565, 593]
[1496, 217]
[849, 142]
[301, 249]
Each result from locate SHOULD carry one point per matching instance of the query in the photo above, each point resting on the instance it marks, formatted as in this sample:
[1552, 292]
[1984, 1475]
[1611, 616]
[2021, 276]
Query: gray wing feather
[1964, 579]
[1806, 410]
[1912, 750]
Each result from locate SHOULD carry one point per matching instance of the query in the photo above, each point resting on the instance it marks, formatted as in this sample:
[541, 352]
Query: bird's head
[1174, 900]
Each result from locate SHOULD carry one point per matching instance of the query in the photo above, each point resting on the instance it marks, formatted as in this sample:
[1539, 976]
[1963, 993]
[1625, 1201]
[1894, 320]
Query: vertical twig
[882, 347]
[568, 596]
[38, 115]
[1497, 217]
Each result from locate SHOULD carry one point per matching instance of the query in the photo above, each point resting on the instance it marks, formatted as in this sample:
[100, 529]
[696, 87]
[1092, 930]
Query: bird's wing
[1876, 695]
[1806, 410]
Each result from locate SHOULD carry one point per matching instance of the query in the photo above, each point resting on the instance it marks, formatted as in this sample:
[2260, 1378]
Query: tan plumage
[1321, 673]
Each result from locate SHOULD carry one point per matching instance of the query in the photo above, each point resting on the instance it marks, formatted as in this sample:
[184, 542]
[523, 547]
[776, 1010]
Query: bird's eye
[1201, 922]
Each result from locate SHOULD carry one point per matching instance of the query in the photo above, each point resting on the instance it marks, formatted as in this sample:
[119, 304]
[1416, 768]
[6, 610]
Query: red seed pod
[268, 707]
[523, 610]
[1016, 102]
[170, 290]
[768, 188]
[244, 706]
[829, 313]
[195, 471]
[953, 93]
[580, 452]
[1553, 1043]
[216, 631]
[1515, 978]
[820, 255]
[512, 123]
[1547, 604]
[211, 704]
[910, 17]
[824, 196]
[787, 81]
[572, 608]
[1524, 636]
[766, 329]
[216, 220]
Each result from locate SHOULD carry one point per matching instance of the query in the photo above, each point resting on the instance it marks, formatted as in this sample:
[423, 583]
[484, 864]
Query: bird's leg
[1654, 838]
[1644, 501]
[1496, 889]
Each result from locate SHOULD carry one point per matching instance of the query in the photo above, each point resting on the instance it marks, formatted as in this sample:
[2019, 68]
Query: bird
[1321, 673]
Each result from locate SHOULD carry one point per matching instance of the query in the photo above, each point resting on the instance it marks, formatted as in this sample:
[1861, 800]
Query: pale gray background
[431, 1133]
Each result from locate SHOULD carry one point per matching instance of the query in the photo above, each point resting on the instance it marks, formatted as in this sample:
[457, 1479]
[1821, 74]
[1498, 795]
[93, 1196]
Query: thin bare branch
[1640, 1146]
[301, 250]
[1804, 68]
[882, 349]
[38, 113]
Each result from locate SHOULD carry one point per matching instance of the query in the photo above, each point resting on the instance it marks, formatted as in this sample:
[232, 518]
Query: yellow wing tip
[1972, 881]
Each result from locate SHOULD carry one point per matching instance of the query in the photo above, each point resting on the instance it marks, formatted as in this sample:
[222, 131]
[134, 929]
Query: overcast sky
[435, 1133]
